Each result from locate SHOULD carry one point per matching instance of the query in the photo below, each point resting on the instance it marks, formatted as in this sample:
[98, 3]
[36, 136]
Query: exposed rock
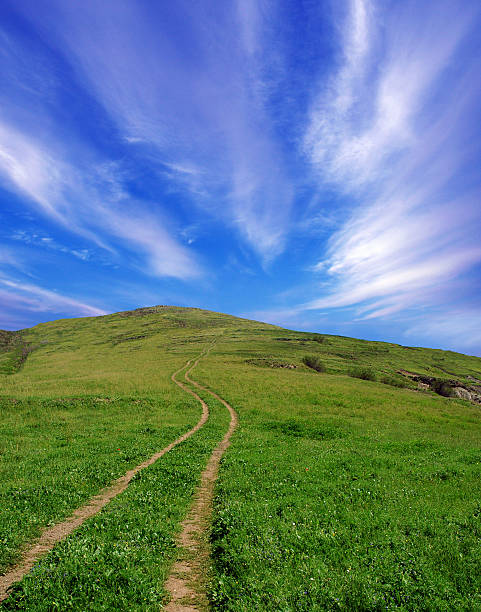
[474, 380]
[446, 388]
[423, 386]
[271, 363]
[462, 393]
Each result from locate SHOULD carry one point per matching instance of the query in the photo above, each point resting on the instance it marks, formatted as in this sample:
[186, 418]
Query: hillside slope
[352, 481]
[121, 353]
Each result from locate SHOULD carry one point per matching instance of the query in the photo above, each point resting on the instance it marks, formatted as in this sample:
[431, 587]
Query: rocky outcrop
[463, 393]
[446, 388]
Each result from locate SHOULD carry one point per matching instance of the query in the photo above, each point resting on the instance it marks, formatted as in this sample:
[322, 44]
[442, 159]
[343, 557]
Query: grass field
[337, 492]
[119, 559]
[56, 454]
[344, 494]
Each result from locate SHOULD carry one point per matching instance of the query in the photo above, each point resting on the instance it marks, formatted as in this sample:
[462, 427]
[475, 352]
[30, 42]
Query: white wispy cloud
[30, 297]
[87, 198]
[375, 107]
[390, 131]
[44, 241]
[144, 231]
[69, 180]
[199, 107]
[28, 168]
[207, 103]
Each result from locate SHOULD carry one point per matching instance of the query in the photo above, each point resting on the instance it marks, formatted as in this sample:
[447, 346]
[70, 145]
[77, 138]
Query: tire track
[60, 531]
[187, 581]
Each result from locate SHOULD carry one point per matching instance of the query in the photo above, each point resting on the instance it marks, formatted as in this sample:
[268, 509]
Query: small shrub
[443, 388]
[363, 373]
[393, 381]
[313, 362]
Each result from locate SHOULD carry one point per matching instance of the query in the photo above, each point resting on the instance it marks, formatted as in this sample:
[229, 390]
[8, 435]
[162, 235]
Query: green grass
[119, 559]
[344, 494]
[337, 492]
[115, 355]
[133, 352]
[56, 454]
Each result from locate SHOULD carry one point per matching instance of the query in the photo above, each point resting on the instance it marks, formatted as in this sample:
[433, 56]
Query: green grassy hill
[352, 482]
[121, 352]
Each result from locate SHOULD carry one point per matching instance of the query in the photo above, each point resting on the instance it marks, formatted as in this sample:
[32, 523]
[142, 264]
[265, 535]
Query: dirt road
[58, 532]
[187, 580]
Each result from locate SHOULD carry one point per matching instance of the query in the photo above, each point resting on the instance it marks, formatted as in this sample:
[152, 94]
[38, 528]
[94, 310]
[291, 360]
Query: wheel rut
[55, 534]
[186, 583]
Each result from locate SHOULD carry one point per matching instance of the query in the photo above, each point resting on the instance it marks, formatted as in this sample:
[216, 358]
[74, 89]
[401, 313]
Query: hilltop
[126, 341]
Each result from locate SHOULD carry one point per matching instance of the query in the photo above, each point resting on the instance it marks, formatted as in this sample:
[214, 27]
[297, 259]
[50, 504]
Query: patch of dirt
[57, 533]
[187, 580]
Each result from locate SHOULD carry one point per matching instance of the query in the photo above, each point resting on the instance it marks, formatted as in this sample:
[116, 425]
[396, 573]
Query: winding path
[187, 580]
[60, 531]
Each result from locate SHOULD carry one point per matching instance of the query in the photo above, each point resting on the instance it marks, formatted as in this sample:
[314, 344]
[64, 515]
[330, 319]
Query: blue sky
[307, 163]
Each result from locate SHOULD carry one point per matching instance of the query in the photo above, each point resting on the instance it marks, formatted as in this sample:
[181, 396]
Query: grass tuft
[363, 373]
